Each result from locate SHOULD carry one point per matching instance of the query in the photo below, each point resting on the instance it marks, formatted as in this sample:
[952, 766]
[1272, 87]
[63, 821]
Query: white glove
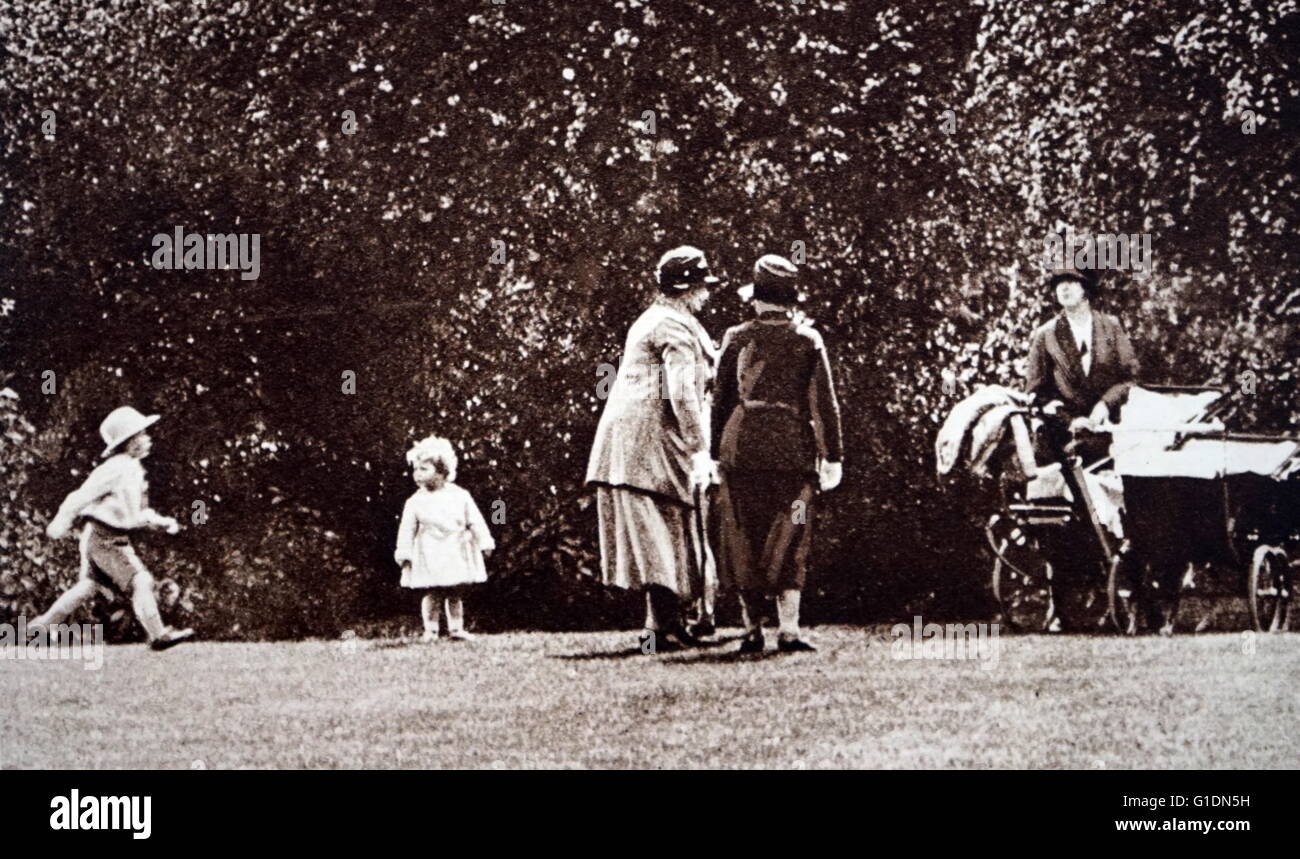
[57, 529]
[704, 470]
[829, 475]
[1078, 425]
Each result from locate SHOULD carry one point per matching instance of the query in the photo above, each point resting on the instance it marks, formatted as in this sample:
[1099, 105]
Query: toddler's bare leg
[429, 609]
[455, 613]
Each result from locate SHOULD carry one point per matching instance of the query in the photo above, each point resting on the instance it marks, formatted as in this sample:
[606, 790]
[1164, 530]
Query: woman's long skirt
[766, 529]
[648, 539]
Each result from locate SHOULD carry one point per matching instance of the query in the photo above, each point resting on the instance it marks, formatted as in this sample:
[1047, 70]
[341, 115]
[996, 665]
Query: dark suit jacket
[775, 407]
[1055, 370]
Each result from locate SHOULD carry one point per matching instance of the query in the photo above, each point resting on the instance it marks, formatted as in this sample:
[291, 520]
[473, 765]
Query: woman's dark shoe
[682, 637]
[702, 628]
[787, 644]
[753, 643]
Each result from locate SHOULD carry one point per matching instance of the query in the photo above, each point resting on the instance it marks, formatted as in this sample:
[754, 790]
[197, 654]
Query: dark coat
[1055, 370]
[775, 405]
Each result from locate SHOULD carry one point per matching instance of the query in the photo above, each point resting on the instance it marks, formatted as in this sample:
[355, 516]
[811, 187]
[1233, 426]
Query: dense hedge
[822, 122]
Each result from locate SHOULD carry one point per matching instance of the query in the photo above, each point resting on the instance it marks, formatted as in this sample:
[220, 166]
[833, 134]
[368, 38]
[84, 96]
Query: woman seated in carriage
[1081, 363]
[1080, 368]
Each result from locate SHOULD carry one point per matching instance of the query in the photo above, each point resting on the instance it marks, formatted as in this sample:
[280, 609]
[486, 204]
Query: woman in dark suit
[1081, 365]
[777, 438]
[1081, 362]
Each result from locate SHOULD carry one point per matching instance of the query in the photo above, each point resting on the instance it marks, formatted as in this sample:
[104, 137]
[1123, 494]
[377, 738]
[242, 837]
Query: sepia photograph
[650, 385]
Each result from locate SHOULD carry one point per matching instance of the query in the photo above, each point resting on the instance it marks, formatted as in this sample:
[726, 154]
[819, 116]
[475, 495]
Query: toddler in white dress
[442, 540]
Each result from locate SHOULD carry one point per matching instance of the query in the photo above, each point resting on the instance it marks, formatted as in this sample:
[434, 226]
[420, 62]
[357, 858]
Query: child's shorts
[107, 556]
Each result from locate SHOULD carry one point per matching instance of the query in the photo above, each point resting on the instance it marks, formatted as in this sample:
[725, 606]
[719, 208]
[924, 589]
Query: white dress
[443, 535]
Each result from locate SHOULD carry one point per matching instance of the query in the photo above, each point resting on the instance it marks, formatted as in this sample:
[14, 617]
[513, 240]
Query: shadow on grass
[635, 651]
[730, 656]
[394, 643]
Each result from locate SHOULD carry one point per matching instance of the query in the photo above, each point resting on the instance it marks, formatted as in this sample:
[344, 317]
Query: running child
[110, 505]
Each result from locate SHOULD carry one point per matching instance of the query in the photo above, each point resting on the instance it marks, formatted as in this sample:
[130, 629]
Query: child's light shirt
[114, 493]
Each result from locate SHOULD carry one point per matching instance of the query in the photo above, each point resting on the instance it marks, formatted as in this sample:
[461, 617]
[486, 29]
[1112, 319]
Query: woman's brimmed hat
[1086, 277]
[682, 268]
[121, 424]
[775, 280]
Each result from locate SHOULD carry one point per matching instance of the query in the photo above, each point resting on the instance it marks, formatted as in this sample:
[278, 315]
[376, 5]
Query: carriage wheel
[1268, 589]
[1123, 594]
[1079, 599]
[1021, 591]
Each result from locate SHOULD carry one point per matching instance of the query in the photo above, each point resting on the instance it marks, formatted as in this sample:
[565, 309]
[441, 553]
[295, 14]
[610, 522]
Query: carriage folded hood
[967, 420]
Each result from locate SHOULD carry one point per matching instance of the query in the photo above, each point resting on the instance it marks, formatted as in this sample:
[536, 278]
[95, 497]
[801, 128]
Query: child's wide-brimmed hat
[121, 424]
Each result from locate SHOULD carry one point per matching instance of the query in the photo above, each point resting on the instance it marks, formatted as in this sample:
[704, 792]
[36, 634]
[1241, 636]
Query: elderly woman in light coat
[650, 457]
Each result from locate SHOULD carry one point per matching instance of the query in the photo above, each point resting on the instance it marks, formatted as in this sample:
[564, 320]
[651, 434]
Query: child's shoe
[462, 635]
[430, 636]
[171, 638]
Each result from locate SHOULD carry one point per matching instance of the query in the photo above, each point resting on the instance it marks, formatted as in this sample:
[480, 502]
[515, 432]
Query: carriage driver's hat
[682, 268]
[1086, 277]
[775, 280]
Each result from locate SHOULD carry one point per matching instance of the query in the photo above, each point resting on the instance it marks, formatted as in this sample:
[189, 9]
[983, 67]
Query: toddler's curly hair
[437, 450]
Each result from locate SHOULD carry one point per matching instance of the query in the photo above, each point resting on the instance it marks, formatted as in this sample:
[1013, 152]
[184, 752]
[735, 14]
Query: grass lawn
[591, 700]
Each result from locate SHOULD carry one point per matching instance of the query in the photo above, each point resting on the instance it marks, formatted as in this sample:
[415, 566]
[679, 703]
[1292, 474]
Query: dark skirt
[766, 529]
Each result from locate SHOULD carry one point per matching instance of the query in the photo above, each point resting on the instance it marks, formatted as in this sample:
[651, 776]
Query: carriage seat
[1047, 484]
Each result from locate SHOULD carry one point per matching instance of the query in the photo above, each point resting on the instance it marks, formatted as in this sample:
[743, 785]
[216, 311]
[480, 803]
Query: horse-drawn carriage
[1175, 503]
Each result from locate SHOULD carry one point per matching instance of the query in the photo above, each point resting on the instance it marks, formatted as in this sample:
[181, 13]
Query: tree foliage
[822, 122]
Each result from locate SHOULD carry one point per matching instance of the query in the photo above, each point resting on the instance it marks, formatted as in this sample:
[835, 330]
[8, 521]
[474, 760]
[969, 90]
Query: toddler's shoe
[462, 635]
[430, 636]
[171, 638]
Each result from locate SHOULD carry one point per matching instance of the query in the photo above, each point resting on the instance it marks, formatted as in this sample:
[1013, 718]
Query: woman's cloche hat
[682, 268]
[121, 424]
[775, 280]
